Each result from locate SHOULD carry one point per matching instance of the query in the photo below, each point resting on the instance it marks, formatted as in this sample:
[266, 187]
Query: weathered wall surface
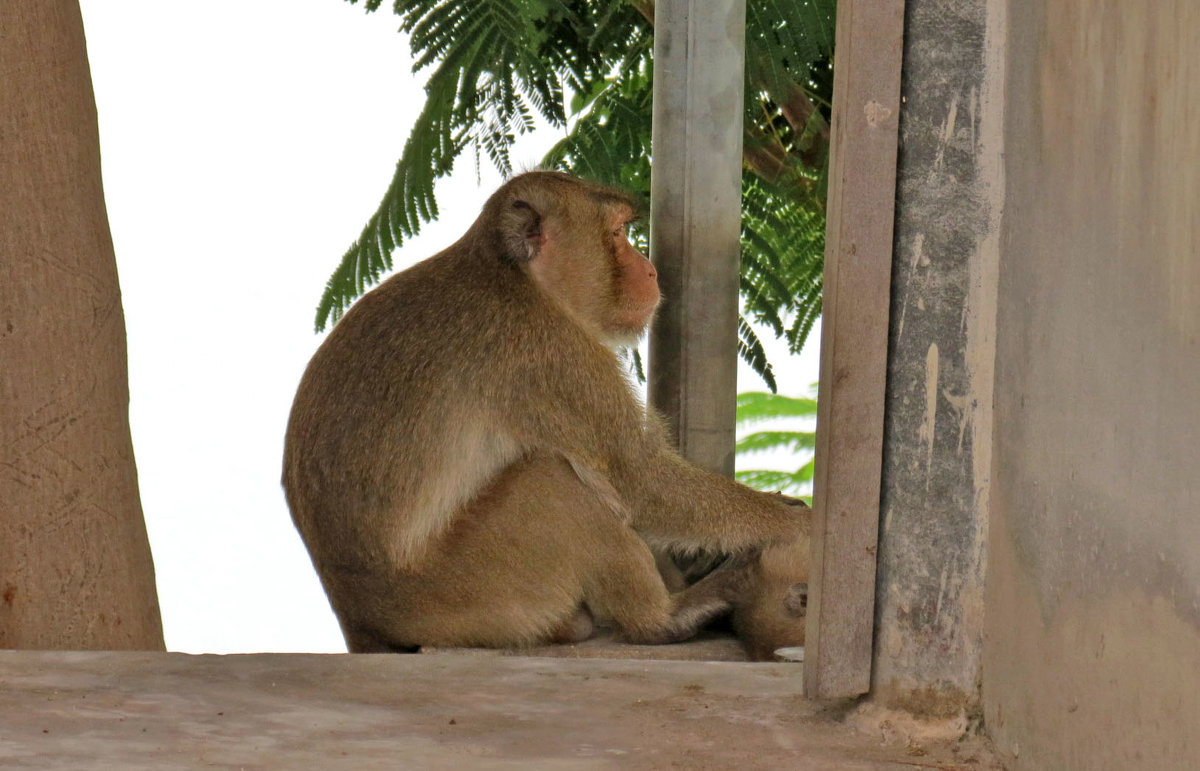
[1092, 656]
[929, 597]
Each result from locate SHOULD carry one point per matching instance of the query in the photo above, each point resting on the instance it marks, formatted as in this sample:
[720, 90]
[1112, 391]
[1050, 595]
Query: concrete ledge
[467, 710]
[708, 645]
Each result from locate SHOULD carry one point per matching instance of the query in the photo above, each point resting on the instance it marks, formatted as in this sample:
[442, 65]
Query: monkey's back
[391, 429]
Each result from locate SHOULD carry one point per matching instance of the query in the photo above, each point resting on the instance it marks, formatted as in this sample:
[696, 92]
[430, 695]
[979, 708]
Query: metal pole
[695, 220]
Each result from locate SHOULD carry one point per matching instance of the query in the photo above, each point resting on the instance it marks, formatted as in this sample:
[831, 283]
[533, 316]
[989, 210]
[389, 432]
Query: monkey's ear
[796, 601]
[523, 234]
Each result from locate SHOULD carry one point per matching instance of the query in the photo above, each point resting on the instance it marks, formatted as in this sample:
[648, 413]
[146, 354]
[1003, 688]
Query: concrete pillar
[937, 434]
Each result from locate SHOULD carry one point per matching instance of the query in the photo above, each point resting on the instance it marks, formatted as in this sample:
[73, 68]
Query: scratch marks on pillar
[929, 421]
[973, 111]
[943, 581]
[947, 134]
[918, 260]
[959, 403]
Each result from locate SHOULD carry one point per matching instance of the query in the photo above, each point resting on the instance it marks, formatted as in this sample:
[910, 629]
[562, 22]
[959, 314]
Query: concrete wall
[1092, 652]
[1039, 554]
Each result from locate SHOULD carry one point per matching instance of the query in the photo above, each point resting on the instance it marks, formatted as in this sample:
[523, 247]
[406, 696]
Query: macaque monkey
[467, 462]
[772, 612]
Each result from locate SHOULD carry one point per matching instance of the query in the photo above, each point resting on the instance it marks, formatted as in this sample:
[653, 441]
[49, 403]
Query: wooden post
[854, 344]
[695, 221]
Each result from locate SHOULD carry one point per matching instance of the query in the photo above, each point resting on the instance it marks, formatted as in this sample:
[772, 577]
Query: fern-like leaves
[495, 63]
[586, 65]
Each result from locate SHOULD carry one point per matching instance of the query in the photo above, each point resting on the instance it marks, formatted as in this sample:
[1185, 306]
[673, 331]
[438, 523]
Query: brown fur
[468, 465]
[772, 613]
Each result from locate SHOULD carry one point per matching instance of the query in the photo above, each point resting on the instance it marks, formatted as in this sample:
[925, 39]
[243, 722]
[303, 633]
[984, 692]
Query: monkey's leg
[622, 584]
[523, 565]
[626, 588]
[508, 573]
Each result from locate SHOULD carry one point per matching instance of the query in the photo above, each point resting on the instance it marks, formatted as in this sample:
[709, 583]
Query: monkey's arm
[682, 504]
[579, 405]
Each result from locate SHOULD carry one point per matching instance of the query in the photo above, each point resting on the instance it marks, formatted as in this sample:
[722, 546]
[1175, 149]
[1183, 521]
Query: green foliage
[757, 407]
[794, 483]
[783, 243]
[586, 66]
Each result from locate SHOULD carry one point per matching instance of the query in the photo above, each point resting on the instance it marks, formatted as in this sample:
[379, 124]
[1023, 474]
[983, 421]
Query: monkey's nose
[650, 271]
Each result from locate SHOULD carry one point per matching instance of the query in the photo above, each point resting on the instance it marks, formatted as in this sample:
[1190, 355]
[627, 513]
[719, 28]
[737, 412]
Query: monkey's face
[572, 238]
[586, 262]
[589, 265]
[634, 281]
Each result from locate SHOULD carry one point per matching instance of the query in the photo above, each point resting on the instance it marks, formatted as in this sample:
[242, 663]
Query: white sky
[245, 143]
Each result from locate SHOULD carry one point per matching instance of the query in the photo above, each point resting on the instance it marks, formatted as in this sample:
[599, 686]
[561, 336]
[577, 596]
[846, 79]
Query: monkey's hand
[789, 500]
[794, 514]
[740, 559]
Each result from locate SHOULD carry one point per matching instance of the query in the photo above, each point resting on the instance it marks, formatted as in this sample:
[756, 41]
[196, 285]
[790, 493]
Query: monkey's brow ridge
[610, 197]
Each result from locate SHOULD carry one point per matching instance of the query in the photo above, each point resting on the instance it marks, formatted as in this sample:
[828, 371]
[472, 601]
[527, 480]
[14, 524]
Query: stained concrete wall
[937, 433]
[1092, 653]
[1039, 555]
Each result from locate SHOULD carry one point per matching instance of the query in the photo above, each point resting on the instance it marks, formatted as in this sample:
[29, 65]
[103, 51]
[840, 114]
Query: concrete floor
[455, 709]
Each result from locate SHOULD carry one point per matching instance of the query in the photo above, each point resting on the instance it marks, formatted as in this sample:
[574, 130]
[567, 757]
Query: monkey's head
[571, 237]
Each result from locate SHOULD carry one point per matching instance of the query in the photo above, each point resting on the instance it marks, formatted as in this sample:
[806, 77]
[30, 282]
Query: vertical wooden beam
[854, 341]
[695, 221]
